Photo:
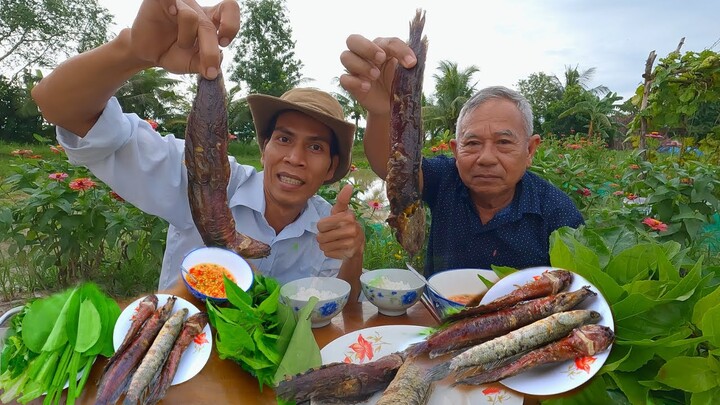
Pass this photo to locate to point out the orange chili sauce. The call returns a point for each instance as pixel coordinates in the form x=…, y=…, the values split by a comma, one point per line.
x=462, y=298
x=209, y=278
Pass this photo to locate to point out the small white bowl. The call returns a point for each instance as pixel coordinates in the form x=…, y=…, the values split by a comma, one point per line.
x=234, y=263
x=336, y=291
x=391, y=301
x=457, y=282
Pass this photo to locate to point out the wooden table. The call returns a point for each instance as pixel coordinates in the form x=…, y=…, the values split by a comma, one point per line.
x=224, y=382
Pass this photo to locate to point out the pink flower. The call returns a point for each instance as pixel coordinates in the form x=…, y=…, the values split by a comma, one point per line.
x=584, y=191
x=57, y=149
x=631, y=196
x=231, y=137
x=654, y=134
x=353, y=168
x=655, y=225
x=82, y=184
x=375, y=204
x=619, y=192
x=59, y=176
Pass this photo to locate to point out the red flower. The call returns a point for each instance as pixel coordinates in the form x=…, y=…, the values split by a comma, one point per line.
x=634, y=167
x=22, y=152
x=491, y=390
x=231, y=137
x=363, y=348
x=116, y=196
x=584, y=363
x=631, y=196
x=654, y=134
x=434, y=149
x=57, y=149
x=574, y=146
x=347, y=360
x=443, y=146
x=59, y=176
x=152, y=123
x=655, y=225
x=584, y=191
x=375, y=204
x=35, y=156
x=82, y=184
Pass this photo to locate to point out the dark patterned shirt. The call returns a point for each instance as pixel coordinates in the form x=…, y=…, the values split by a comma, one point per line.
x=517, y=236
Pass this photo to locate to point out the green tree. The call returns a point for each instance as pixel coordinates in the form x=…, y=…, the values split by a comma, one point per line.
x=151, y=94
x=37, y=33
x=351, y=108
x=453, y=87
x=541, y=90
x=597, y=111
x=264, y=60
x=20, y=118
x=684, y=96
x=574, y=77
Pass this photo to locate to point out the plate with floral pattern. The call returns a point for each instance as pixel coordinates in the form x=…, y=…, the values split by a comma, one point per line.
x=555, y=378
x=370, y=344
x=196, y=354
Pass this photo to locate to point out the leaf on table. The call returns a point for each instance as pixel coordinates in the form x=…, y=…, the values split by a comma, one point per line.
x=303, y=352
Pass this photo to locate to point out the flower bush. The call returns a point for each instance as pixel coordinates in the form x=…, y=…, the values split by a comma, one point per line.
x=64, y=225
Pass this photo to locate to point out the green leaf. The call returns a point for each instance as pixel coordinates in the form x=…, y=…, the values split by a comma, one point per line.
x=594, y=392
x=711, y=325
x=235, y=294
x=303, y=352
x=286, y=323
x=270, y=304
x=89, y=327
x=502, y=271
x=704, y=304
x=628, y=384
x=632, y=264
x=42, y=327
x=709, y=397
x=691, y=374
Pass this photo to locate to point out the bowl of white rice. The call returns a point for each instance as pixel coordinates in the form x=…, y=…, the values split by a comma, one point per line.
x=332, y=294
x=392, y=291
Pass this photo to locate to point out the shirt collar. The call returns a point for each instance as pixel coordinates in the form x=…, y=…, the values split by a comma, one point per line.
x=525, y=201
x=251, y=194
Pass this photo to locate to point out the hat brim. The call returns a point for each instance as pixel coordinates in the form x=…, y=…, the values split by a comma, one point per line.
x=265, y=108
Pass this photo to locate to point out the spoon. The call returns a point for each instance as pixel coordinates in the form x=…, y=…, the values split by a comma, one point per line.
x=421, y=277
x=187, y=274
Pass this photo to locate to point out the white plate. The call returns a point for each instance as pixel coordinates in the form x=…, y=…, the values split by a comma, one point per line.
x=372, y=343
x=557, y=377
x=196, y=354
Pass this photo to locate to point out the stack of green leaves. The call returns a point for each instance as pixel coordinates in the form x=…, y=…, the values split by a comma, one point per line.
x=54, y=341
x=262, y=334
x=666, y=310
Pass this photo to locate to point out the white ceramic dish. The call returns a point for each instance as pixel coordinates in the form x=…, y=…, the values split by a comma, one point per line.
x=195, y=356
x=234, y=263
x=372, y=343
x=560, y=377
x=325, y=309
x=391, y=301
x=453, y=282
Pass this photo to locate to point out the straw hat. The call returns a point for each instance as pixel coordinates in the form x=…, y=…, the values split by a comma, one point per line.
x=313, y=102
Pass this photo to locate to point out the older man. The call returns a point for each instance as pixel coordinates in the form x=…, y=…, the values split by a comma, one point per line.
x=304, y=139
x=487, y=209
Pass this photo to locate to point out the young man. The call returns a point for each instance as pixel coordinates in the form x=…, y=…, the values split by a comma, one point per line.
x=304, y=140
x=487, y=209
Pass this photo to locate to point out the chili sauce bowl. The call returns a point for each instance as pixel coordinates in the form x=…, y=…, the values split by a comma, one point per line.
x=231, y=261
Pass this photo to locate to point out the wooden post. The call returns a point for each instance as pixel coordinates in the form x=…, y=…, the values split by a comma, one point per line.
x=648, y=76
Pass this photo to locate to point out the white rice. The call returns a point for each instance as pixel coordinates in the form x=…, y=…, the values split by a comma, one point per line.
x=304, y=294
x=386, y=283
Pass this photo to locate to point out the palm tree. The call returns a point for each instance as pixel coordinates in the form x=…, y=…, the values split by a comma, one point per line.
x=574, y=77
x=597, y=111
x=151, y=95
x=452, y=89
x=351, y=108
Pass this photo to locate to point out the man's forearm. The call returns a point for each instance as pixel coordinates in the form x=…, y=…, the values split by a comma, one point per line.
x=350, y=271
x=376, y=142
x=74, y=94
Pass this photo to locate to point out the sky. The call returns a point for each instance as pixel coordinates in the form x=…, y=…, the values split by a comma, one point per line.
x=505, y=40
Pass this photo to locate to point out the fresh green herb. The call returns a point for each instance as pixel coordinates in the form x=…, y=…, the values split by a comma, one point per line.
x=261, y=333
x=666, y=312
x=55, y=340
x=485, y=281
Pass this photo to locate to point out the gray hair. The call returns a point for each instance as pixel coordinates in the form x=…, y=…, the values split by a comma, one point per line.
x=496, y=92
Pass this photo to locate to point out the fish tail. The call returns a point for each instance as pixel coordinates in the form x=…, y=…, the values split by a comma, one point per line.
x=439, y=372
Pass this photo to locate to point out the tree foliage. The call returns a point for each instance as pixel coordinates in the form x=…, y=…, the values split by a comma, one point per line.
x=453, y=87
x=264, y=60
x=684, y=98
x=151, y=95
x=540, y=90
x=20, y=118
x=37, y=33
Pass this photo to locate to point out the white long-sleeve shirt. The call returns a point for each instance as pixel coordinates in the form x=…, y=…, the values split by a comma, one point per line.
x=148, y=171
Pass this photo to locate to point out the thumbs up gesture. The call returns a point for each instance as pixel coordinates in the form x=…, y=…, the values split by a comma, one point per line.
x=340, y=235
